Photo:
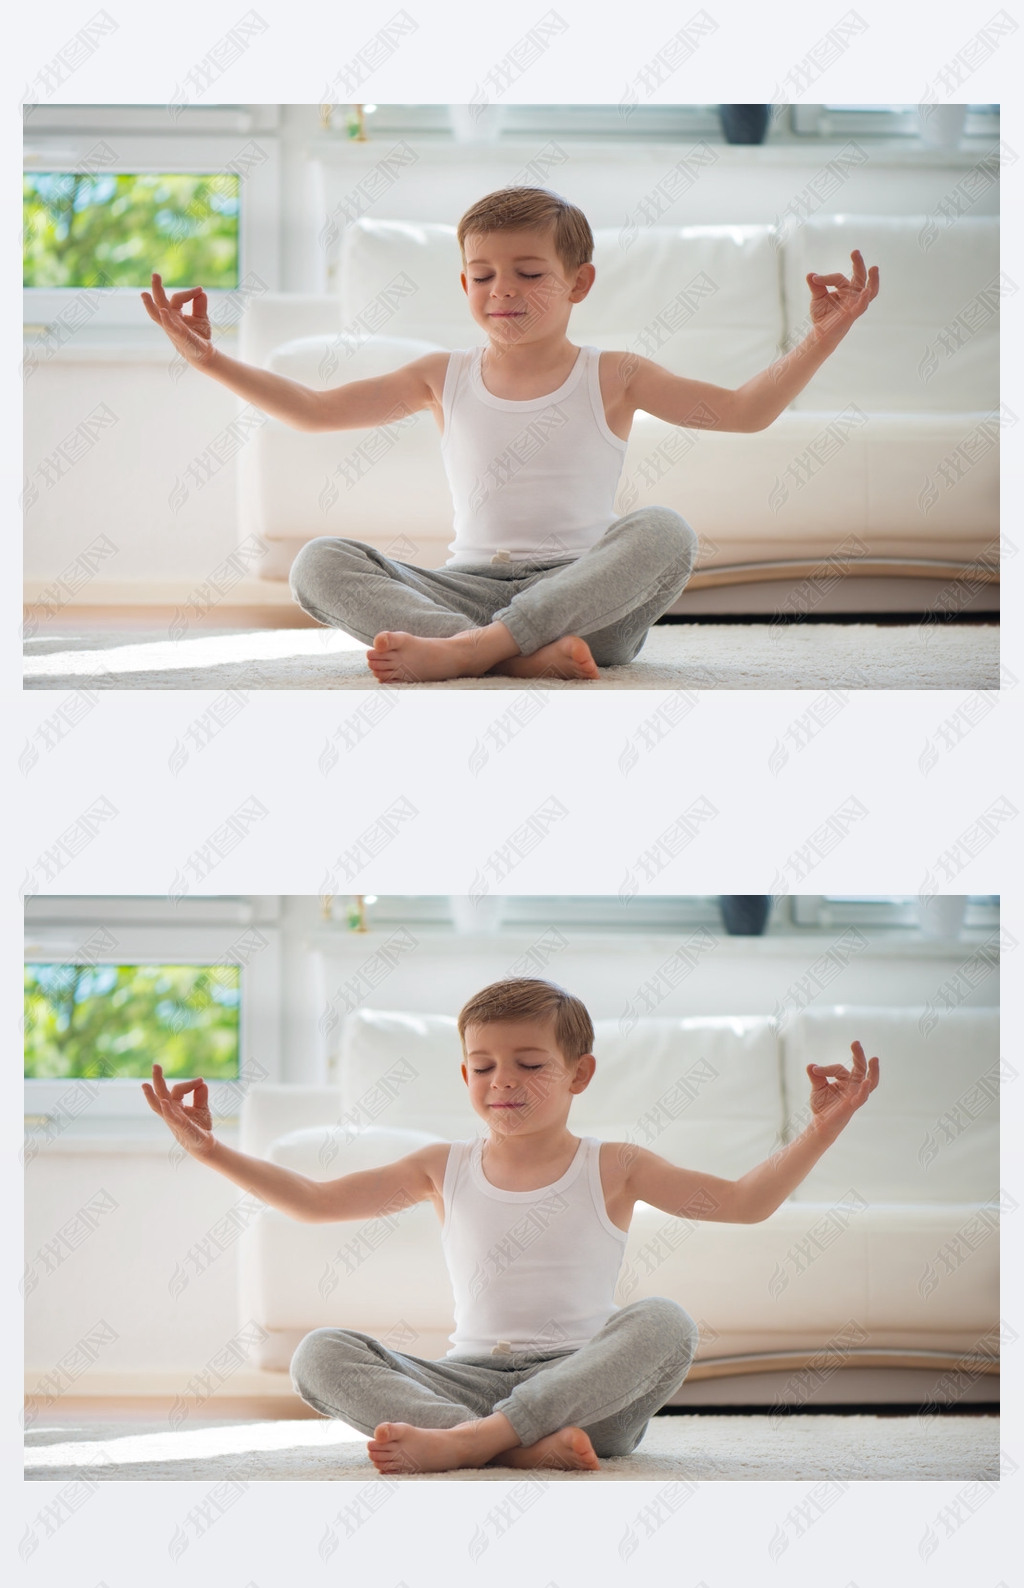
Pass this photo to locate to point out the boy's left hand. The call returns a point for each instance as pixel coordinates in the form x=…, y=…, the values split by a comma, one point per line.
x=834, y=311
x=835, y=1100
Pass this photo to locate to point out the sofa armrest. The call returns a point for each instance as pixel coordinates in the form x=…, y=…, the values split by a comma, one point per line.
x=278, y=317
x=271, y=1111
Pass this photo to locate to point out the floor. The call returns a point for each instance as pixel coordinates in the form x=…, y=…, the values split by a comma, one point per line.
x=94, y=649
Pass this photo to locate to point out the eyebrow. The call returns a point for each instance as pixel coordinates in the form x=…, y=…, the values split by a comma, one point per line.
x=518, y=260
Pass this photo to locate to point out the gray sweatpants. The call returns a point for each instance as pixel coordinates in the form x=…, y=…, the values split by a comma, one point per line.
x=609, y=596
x=609, y=1387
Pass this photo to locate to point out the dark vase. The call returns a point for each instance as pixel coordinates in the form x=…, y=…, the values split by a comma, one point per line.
x=745, y=914
x=744, y=123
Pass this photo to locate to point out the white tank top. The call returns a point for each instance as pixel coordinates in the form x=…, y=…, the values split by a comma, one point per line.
x=531, y=1270
x=533, y=478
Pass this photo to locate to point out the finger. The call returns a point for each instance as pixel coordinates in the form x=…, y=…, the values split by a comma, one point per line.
x=838, y=1070
x=860, y=1063
x=180, y=298
x=819, y=1080
x=159, y=1084
x=159, y=295
x=831, y=281
x=151, y=1098
x=182, y=1089
x=860, y=275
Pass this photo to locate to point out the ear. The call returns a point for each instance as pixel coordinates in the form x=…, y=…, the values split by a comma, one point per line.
x=465, y=288
x=586, y=1064
x=465, y=1074
x=584, y=281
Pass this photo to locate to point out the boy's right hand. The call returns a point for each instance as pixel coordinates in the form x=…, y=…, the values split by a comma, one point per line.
x=190, y=333
x=191, y=1123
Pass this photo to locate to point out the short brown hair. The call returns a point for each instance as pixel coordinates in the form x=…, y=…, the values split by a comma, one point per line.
x=524, y=998
x=519, y=208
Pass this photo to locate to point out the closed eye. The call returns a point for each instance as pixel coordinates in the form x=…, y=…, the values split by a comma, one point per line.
x=486, y=1070
x=523, y=273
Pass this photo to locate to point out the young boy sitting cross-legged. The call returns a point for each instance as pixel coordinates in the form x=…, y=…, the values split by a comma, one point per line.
x=544, y=1370
x=543, y=579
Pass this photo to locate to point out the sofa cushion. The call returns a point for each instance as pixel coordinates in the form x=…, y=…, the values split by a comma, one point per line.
x=929, y=342
x=702, y=1091
x=702, y=301
x=929, y=1133
x=412, y=268
x=813, y=1268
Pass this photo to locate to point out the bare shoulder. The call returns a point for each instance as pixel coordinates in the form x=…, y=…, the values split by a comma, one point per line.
x=616, y=370
x=616, y=1160
x=431, y=369
x=433, y=1160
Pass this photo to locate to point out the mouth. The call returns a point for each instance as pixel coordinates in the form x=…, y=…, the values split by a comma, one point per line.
x=507, y=314
x=508, y=1105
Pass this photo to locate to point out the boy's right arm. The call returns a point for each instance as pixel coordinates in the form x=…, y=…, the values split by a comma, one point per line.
x=359, y=405
x=367, y=1194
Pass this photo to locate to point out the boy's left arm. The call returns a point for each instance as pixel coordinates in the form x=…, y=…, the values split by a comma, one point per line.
x=835, y=303
x=695, y=405
x=836, y=1094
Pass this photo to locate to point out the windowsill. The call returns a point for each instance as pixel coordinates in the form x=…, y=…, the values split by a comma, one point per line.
x=891, y=942
x=796, y=152
x=113, y=344
x=104, y=1134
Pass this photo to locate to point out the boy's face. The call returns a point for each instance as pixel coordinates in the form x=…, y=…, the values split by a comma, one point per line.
x=517, y=1077
x=518, y=288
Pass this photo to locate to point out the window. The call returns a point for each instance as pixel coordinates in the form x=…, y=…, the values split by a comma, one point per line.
x=96, y=229
x=92, y=1021
x=108, y=200
x=200, y=994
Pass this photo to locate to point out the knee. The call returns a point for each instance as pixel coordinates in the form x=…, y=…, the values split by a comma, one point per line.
x=673, y=541
x=305, y=576
x=671, y=1330
x=310, y=1362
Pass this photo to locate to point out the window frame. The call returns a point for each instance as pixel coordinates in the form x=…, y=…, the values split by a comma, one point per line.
x=889, y=121
x=91, y=149
x=823, y=911
x=49, y=1103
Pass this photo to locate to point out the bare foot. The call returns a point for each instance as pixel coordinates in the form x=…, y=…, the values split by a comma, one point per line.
x=399, y=658
x=399, y=1447
x=569, y=1450
x=568, y=657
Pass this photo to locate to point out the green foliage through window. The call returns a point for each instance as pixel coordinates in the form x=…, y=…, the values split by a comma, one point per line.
x=118, y=1020
x=83, y=230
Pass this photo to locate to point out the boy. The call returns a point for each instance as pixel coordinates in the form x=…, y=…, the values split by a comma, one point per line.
x=504, y=1393
x=542, y=580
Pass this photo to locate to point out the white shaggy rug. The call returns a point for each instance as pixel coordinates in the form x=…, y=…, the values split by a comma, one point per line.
x=694, y=1448
x=676, y=656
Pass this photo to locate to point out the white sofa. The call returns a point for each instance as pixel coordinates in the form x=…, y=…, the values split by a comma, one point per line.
x=877, y=1280
x=876, y=489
